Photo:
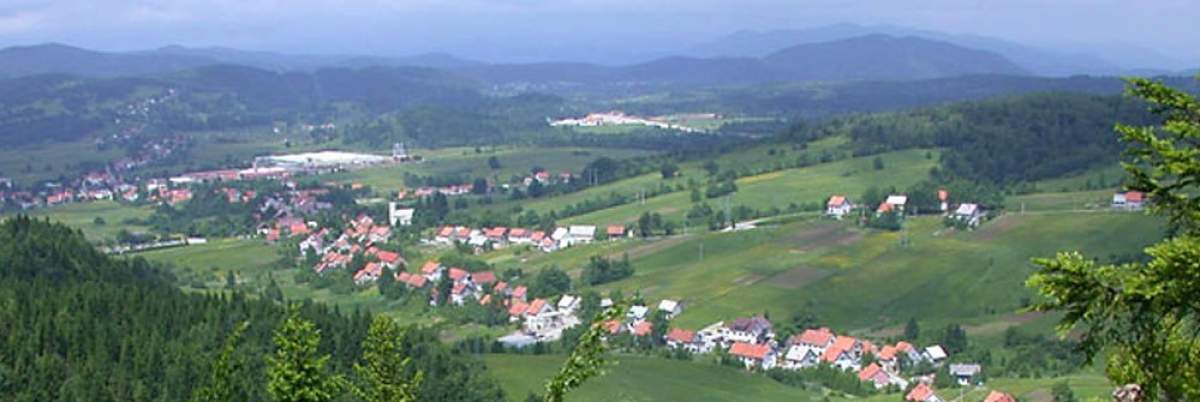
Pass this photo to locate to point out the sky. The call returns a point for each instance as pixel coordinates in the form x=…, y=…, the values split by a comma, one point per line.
x=593, y=30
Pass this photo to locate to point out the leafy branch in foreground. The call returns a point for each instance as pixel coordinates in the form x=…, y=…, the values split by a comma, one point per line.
x=296, y=372
x=1146, y=314
x=587, y=360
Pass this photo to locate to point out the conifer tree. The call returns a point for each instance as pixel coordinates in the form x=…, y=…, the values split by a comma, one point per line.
x=297, y=372
x=384, y=370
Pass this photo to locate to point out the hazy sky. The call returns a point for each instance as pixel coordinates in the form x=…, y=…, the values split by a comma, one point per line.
x=524, y=30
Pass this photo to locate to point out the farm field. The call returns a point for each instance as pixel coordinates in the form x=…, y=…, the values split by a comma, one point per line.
x=782, y=188
x=642, y=378
x=56, y=156
x=514, y=161
x=83, y=215
x=854, y=278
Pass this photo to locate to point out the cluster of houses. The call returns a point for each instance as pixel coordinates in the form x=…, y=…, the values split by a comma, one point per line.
x=361, y=237
x=500, y=237
x=752, y=342
x=971, y=214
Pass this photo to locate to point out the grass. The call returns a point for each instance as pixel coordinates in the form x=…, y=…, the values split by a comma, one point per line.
x=514, y=161
x=782, y=188
x=853, y=278
x=641, y=378
x=1074, y=200
x=83, y=216
x=56, y=156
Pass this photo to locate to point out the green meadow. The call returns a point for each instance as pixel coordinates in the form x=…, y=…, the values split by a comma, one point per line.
x=83, y=217
x=782, y=188
x=642, y=378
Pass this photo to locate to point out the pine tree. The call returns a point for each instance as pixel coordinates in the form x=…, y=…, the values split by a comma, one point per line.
x=912, y=330
x=297, y=372
x=220, y=387
x=384, y=371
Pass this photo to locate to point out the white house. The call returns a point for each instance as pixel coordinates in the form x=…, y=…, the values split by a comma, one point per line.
x=935, y=354
x=400, y=216
x=968, y=213
x=838, y=206
x=568, y=303
x=798, y=356
x=637, y=313
x=965, y=373
x=671, y=307
x=580, y=234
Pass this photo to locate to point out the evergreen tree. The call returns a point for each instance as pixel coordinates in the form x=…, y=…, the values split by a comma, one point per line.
x=297, y=371
x=912, y=331
x=384, y=372
x=220, y=387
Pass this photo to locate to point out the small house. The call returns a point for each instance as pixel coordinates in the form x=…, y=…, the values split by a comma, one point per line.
x=753, y=355
x=838, y=206
x=671, y=307
x=965, y=373
x=969, y=214
x=1129, y=200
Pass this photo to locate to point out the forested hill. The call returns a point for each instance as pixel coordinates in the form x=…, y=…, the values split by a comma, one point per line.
x=63, y=108
x=76, y=325
x=1001, y=141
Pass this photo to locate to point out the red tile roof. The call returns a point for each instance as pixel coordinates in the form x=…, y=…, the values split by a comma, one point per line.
x=446, y=232
x=613, y=326
x=536, y=306
x=430, y=267
x=836, y=201
x=997, y=396
x=537, y=235
x=615, y=230
x=642, y=328
x=920, y=393
x=844, y=342
x=943, y=195
x=484, y=277
x=887, y=353
x=750, y=350
x=814, y=337
x=389, y=257
x=496, y=232
x=517, y=308
x=485, y=300
x=868, y=372
x=681, y=335
x=1134, y=196
x=518, y=233
x=903, y=346
x=519, y=292
x=417, y=281
x=457, y=274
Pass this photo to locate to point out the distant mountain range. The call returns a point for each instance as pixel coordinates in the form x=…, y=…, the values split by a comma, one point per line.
x=56, y=58
x=1037, y=60
x=843, y=52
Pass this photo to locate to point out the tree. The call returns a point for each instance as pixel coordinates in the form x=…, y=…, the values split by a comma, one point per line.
x=711, y=167
x=1061, y=392
x=1144, y=312
x=549, y=282
x=912, y=331
x=479, y=186
x=384, y=371
x=877, y=163
x=954, y=339
x=230, y=280
x=669, y=170
x=220, y=387
x=297, y=372
x=99, y=221
x=493, y=163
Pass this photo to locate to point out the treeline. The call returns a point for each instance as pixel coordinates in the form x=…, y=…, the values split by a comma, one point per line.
x=1000, y=141
x=77, y=325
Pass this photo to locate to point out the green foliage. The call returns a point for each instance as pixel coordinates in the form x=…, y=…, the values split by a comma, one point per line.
x=297, y=371
x=384, y=371
x=587, y=359
x=823, y=375
x=549, y=282
x=912, y=330
x=600, y=270
x=221, y=385
x=1144, y=312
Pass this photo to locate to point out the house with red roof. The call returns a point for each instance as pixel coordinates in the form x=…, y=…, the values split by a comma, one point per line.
x=997, y=396
x=642, y=328
x=519, y=236
x=519, y=293
x=613, y=326
x=838, y=206
x=682, y=338
x=369, y=273
x=753, y=355
x=922, y=393
x=483, y=278
x=497, y=234
x=880, y=378
x=432, y=270
x=459, y=275
x=389, y=259
x=1129, y=200
x=614, y=231
x=445, y=235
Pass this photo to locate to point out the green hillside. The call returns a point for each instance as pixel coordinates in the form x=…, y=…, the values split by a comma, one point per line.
x=640, y=378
